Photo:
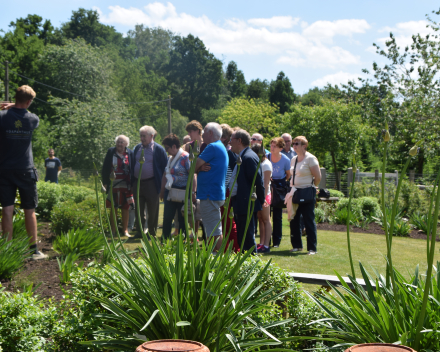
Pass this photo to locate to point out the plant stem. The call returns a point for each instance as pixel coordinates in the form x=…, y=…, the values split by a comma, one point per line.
x=114, y=215
x=99, y=211
x=384, y=214
x=138, y=210
x=429, y=271
x=348, y=223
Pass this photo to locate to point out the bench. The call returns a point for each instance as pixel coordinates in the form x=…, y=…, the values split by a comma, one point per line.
x=327, y=200
x=323, y=280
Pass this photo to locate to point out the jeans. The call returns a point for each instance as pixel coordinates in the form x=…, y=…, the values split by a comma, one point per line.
x=308, y=215
x=169, y=211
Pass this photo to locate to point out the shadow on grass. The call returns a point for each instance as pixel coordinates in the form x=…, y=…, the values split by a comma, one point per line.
x=286, y=253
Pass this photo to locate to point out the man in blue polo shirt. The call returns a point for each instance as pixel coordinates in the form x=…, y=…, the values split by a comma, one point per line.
x=53, y=167
x=211, y=167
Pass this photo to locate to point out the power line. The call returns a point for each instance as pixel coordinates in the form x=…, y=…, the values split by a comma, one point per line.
x=84, y=96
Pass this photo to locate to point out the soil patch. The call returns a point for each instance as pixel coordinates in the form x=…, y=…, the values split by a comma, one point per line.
x=373, y=228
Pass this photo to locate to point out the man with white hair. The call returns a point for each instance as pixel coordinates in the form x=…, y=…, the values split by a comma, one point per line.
x=288, y=150
x=257, y=138
x=151, y=178
x=211, y=166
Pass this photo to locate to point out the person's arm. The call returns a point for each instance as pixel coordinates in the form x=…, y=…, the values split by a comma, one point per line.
x=7, y=106
x=316, y=172
x=59, y=170
x=200, y=162
x=288, y=175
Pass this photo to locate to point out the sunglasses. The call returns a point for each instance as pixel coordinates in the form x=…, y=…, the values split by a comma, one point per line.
x=254, y=139
x=296, y=143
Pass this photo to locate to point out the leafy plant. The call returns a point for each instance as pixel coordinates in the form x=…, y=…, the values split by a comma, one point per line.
x=336, y=193
x=67, y=266
x=420, y=221
x=14, y=252
x=195, y=296
x=82, y=241
x=364, y=316
x=341, y=216
x=401, y=228
x=319, y=215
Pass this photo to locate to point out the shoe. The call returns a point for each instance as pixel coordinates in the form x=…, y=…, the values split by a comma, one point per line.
x=263, y=249
x=38, y=255
x=127, y=234
x=259, y=246
x=276, y=246
x=296, y=250
x=312, y=252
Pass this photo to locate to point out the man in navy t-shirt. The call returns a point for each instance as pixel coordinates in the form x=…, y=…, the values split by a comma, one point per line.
x=53, y=167
x=211, y=166
x=17, y=165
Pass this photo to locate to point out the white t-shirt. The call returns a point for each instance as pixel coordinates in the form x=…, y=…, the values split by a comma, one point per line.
x=303, y=176
x=266, y=165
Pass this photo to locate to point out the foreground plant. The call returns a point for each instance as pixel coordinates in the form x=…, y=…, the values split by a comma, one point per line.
x=84, y=242
x=194, y=296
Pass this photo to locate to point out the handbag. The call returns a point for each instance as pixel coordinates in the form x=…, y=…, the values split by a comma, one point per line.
x=303, y=195
x=176, y=195
x=324, y=193
x=279, y=190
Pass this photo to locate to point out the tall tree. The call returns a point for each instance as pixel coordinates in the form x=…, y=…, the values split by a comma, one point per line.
x=281, y=92
x=235, y=79
x=258, y=89
x=195, y=77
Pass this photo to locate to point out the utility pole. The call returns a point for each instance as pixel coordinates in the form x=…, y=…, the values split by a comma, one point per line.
x=6, y=81
x=169, y=114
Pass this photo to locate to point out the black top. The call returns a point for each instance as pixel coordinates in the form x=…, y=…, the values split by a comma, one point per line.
x=16, y=127
x=108, y=161
x=52, y=166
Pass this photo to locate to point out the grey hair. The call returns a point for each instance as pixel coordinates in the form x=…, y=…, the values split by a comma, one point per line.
x=216, y=130
x=244, y=136
x=125, y=138
x=149, y=130
x=286, y=135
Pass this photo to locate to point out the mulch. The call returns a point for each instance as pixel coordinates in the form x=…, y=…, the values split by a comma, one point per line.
x=47, y=272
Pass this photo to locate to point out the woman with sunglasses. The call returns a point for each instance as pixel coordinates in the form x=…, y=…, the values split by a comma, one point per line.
x=280, y=175
x=307, y=174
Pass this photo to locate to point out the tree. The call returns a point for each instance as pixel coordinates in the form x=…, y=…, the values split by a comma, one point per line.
x=235, y=80
x=195, y=77
x=254, y=116
x=258, y=89
x=333, y=127
x=178, y=124
x=281, y=92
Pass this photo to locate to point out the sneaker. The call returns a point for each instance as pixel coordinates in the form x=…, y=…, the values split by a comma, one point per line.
x=263, y=249
x=276, y=246
x=296, y=249
x=38, y=255
x=259, y=246
x=312, y=252
x=127, y=234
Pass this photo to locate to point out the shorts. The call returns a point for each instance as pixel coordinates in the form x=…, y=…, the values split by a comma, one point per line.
x=26, y=183
x=269, y=198
x=211, y=216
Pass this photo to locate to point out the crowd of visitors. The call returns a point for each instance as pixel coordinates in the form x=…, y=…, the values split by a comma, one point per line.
x=230, y=165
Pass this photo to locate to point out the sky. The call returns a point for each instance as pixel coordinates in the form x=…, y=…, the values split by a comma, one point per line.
x=312, y=42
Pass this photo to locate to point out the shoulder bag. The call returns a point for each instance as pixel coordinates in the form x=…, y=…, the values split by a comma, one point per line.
x=303, y=195
x=279, y=190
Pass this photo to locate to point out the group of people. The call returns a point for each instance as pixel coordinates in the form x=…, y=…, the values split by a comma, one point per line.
x=228, y=164
x=228, y=159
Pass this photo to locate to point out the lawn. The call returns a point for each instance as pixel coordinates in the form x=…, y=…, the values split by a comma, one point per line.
x=333, y=254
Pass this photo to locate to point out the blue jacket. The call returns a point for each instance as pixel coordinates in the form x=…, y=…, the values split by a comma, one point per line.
x=159, y=163
x=244, y=182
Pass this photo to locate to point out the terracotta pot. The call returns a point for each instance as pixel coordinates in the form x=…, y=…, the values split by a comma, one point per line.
x=172, y=345
x=379, y=347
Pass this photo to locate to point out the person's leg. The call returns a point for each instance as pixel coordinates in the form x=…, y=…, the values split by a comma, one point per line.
x=152, y=199
x=308, y=214
x=176, y=223
x=7, y=216
x=249, y=236
x=211, y=215
x=141, y=203
x=131, y=217
x=168, y=214
x=295, y=237
x=30, y=221
x=261, y=226
x=124, y=216
x=267, y=225
x=277, y=226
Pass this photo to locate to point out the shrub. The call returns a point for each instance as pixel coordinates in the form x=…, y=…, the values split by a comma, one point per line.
x=69, y=215
x=356, y=208
x=319, y=215
x=13, y=253
x=370, y=206
x=25, y=325
x=420, y=221
x=83, y=241
x=327, y=208
x=336, y=193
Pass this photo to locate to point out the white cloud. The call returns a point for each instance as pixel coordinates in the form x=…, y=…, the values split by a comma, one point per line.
x=404, y=31
x=273, y=36
x=284, y=22
x=335, y=78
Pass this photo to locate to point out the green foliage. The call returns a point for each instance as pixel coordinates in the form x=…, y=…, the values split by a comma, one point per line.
x=362, y=210
x=258, y=90
x=281, y=93
x=356, y=208
x=67, y=266
x=82, y=241
x=401, y=226
x=336, y=193
x=420, y=221
x=178, y=124
x=320, y=215
x=236, y=81
x=51, y=194
x=365, y=316
x=25, y=324
x=369, y=206
x=69, y=215
x=325, y=211
x=14, y=252
x=259, y=116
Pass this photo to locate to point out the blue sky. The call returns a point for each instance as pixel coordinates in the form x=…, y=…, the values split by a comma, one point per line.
x=313, y=42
